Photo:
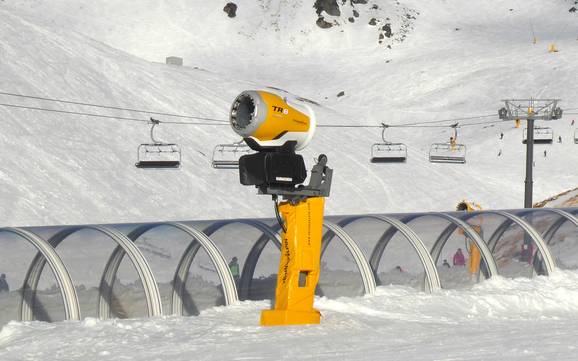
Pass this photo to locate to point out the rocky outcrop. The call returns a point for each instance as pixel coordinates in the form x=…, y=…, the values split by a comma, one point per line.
x=329, y=6
x=230, y=9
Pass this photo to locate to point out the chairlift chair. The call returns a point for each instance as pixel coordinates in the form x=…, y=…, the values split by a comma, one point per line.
x=542, y=135
x=157, y=154
x=226, y=156
x=388, y=152
x=450, y=152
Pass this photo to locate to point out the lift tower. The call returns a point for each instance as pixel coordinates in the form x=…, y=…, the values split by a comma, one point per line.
x=530, y=110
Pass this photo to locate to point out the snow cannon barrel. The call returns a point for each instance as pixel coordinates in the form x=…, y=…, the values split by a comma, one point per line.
x=270, y=120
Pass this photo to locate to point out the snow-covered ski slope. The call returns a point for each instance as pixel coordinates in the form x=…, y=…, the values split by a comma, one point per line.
x=497, y=320
x=457, y=59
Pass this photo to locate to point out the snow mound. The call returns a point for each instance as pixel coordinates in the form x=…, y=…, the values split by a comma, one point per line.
x=537, y=317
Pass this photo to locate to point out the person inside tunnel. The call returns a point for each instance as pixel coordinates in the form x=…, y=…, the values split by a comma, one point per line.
x=4, y=284
x=459, y=258
x=234, y=267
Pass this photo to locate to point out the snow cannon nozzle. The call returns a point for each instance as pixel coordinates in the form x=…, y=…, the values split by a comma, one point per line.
x=270, y=120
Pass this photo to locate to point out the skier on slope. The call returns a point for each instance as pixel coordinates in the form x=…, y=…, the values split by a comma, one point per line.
x=459, y=258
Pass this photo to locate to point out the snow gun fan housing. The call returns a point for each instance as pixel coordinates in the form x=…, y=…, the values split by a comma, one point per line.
x=275, y=129
x=270, y=121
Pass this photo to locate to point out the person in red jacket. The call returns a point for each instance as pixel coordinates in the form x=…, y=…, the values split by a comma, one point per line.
x=459, y=258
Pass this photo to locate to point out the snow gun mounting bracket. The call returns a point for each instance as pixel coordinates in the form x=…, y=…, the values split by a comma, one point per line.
x=319, y=184
x=283, y=171
x=279, y=171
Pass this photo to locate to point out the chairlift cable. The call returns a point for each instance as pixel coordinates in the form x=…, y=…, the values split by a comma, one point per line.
x=367, y=126
x=111, y=107
x=104, y=116
x=74, y=113
x=452, y=119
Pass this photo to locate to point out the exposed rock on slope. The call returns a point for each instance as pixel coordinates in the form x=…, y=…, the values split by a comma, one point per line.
x=562, y=200
x=331, y=14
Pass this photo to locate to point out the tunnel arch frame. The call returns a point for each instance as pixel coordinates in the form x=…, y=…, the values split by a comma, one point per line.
x=432, y=281
x=59, y=270
x=438, y=245
x=549, y=262
x=146, y=276
x=554, y=227
x=199, y=240
x=273, y=233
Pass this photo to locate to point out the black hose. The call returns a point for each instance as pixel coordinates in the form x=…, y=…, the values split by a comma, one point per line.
x=278, y=216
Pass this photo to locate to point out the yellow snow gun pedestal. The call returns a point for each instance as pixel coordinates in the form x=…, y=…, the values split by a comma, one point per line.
x=299, y=265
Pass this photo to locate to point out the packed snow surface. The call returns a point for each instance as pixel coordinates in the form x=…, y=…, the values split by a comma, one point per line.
x=501, y=319
x=443, y=60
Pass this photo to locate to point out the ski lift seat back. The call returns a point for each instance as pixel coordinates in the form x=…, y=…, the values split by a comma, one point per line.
x=157, y=154
x=450, y=152
x=388, y=152
x=447, y=153
x=226, y=156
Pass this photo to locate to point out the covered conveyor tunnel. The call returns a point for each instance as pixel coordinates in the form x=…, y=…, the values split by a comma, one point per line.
x=182, y=268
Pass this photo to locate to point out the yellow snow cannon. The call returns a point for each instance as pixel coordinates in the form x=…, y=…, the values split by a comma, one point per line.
x=276, y=128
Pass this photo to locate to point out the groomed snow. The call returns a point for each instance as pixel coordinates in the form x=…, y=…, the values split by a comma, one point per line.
x=500, y=319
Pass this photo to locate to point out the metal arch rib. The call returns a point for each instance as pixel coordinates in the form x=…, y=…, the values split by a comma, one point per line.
x=360, y=260
x=251, y=264
x=564, y=217
x=115, y=259
x=58, y=268
x=272, y=233
x=152, y=295
x=549, y=262
x=443, y=239
x=432, y=280
x=182, y=271
x=367, y=276
x=487, y=256
x=252, y=258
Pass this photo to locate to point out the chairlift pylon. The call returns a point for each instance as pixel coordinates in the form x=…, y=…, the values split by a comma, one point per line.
x=226, y=156
x=449, y=152
x=388, y=152
x=158, y=154
x=542, y=135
